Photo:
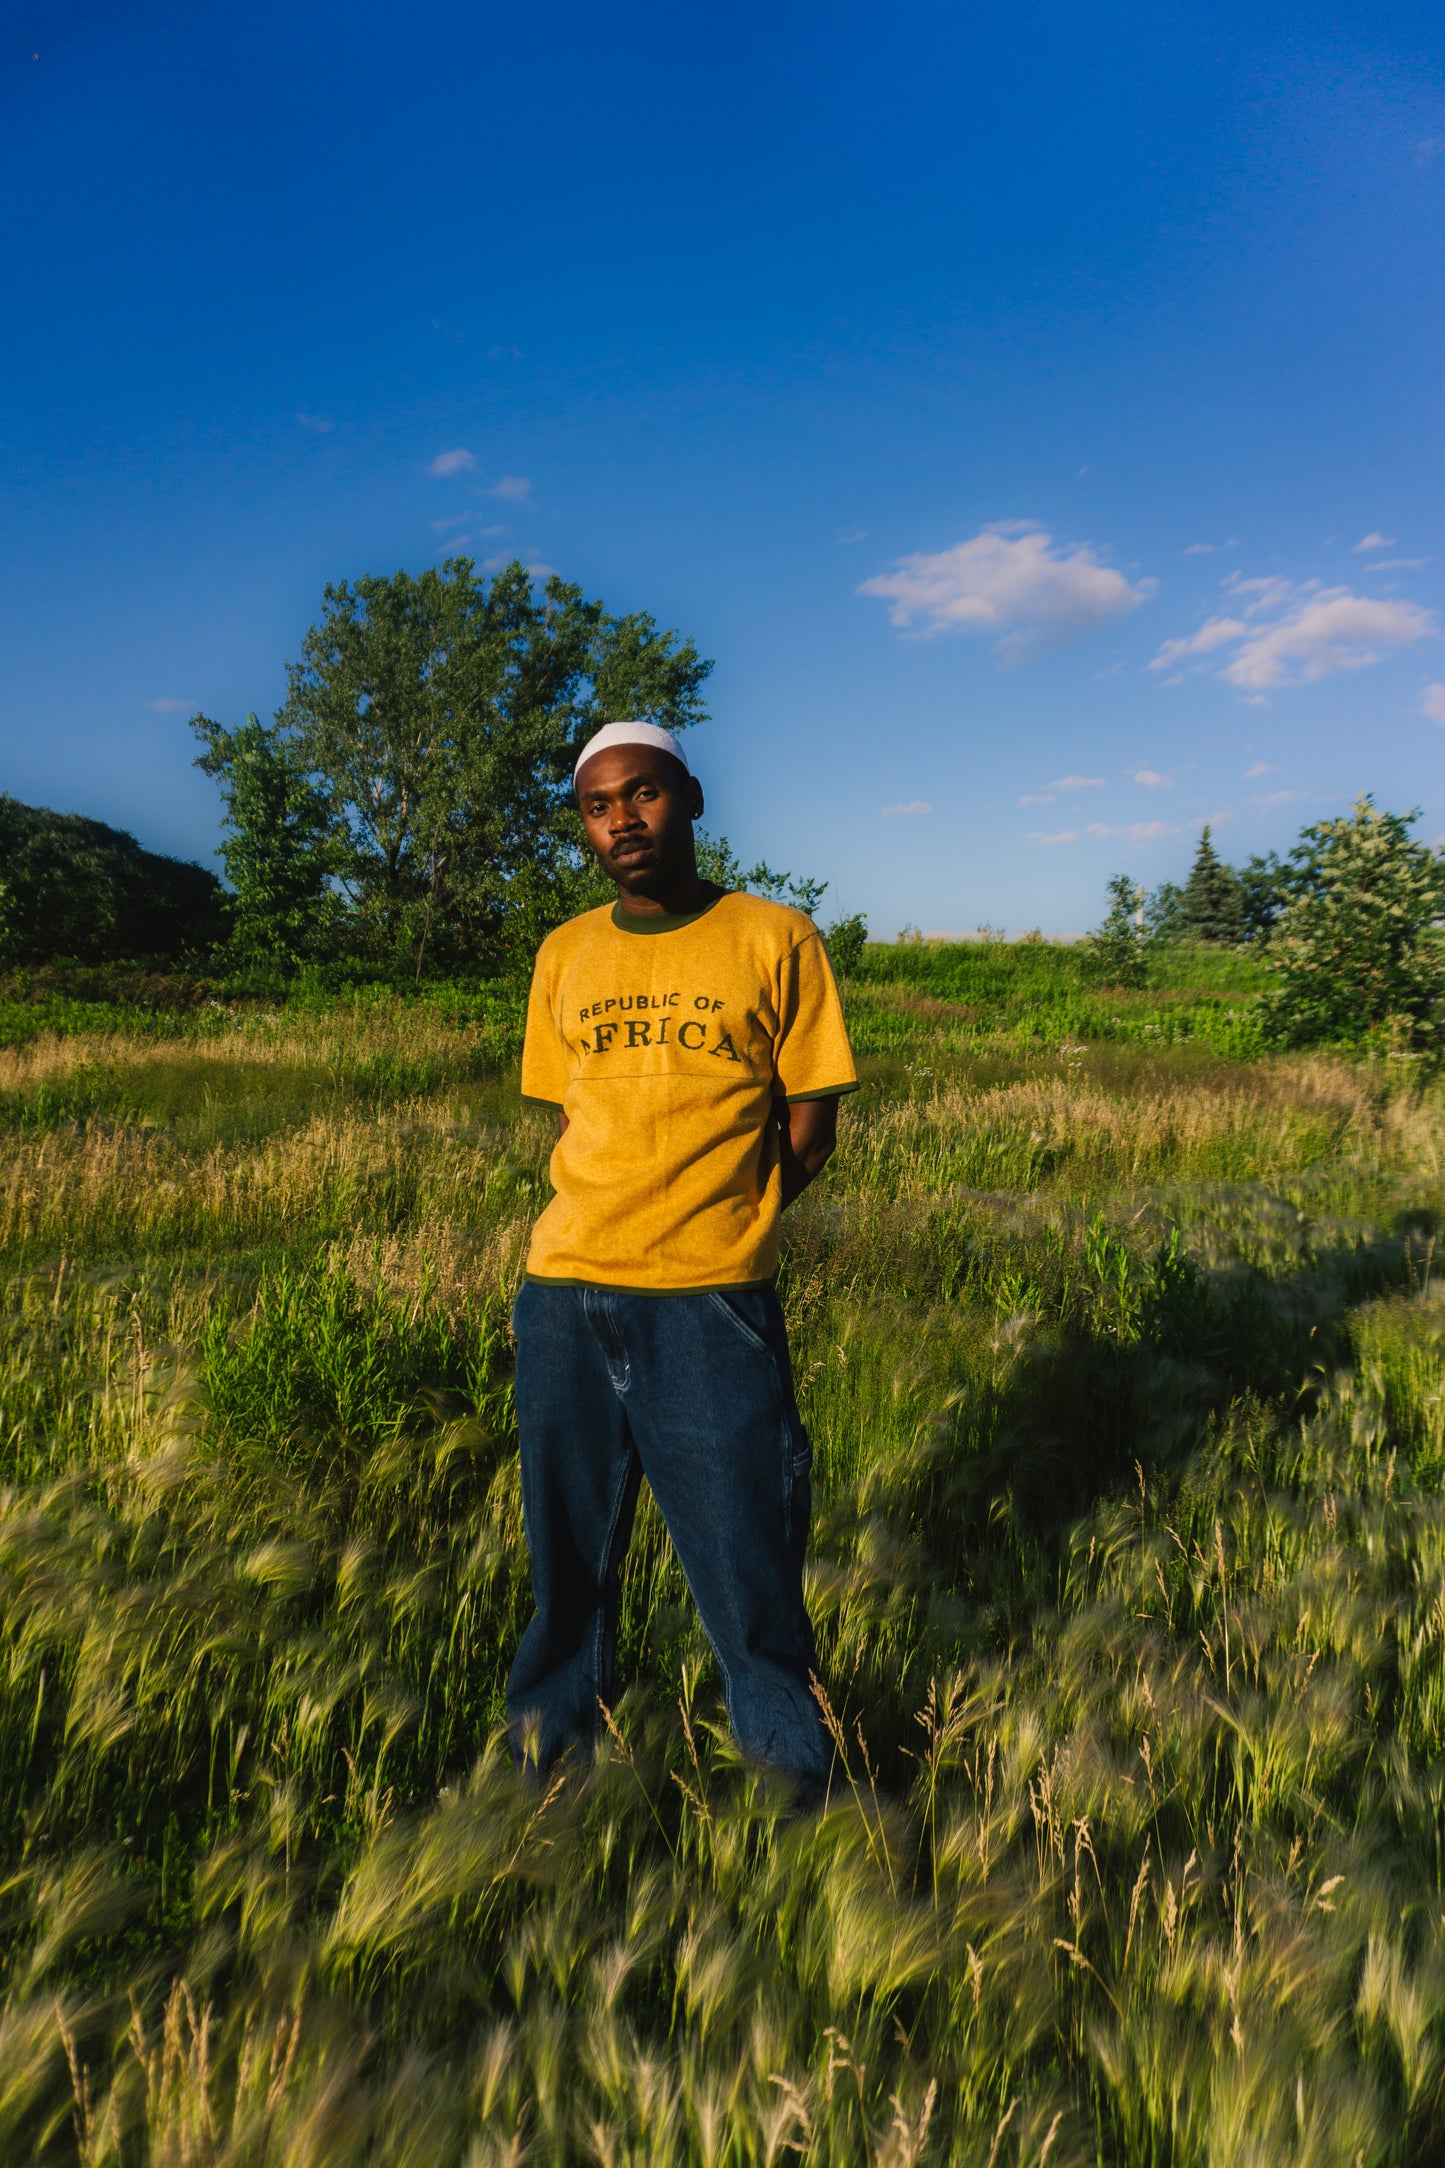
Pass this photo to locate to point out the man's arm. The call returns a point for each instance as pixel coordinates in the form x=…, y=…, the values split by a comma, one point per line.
x=807, y=1135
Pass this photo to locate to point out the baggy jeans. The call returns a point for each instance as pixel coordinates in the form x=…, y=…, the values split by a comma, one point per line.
x=694, y=1391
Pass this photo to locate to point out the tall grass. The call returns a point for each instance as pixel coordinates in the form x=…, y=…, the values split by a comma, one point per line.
x=1125, y=1368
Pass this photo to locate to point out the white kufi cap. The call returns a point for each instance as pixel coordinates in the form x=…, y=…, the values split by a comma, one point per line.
x=612, y=734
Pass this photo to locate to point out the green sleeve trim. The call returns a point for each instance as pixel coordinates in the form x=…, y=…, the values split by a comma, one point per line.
x=825, y=1091
x=530, y=1099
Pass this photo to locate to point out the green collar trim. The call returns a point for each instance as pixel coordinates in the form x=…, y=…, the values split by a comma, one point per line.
x=665, y=921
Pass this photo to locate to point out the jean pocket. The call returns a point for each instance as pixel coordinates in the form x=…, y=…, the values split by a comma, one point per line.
x=741, y=1326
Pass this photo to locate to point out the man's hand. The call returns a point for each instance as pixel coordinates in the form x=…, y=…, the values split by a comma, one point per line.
x=807, y=1135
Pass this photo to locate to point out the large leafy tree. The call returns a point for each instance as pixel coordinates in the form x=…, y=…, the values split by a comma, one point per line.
x=439, y=717
x=1358, y=945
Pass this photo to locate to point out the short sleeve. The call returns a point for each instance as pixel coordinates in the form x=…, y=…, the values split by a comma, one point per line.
x=546, y=1072
x=811, y=1055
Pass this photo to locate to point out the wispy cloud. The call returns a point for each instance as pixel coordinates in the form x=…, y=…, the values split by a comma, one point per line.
x=1046, y=842
x=1276, y=797
x=1151, y=779
x=849, y=536
x=457, y=461
x=1398, y=564
x=173, y=707
x=1038, y=797
x=1288, y=635
x=1078, y=782
x=318, y=424
x=1009, y=582
x=906, y=811
x=1261, y=767
x=1214, y=632
x=1136, y=831
x=514, y=487
x=1374, y=542
x=1432, y=703
x=1207, y=549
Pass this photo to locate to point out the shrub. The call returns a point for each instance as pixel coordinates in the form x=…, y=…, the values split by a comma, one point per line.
x=847, y=938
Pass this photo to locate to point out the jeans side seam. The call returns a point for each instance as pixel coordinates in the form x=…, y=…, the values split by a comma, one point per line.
x=606, y=1581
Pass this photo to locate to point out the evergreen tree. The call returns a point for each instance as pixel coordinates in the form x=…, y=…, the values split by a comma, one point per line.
x=1212, y=907
x=278, y=851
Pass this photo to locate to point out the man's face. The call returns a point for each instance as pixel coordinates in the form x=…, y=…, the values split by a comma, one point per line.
x=638, y=805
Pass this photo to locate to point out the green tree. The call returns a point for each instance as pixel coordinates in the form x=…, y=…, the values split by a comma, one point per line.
x=1164, y=913
x=1211, y=906
x=1114, y=952
x=440, y=716
x=1358, y=946
x=278, y=849
x=76, y=890
x=717, y=861
x=1264, y=890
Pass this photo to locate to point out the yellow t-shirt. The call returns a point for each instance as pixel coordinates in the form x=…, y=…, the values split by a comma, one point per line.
x=665, y=1042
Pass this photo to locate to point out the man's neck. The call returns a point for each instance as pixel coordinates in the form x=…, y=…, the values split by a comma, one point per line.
x=689, y=892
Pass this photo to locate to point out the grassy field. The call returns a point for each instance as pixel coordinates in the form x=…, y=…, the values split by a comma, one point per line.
x=1119, y=1345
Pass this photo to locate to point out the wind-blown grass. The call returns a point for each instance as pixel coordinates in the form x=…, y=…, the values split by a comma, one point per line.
x=1125, y=1370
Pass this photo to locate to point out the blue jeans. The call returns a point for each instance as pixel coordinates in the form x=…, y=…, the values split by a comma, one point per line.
x=695, y=1392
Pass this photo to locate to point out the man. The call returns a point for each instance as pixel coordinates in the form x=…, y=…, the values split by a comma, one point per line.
x=693, y=1045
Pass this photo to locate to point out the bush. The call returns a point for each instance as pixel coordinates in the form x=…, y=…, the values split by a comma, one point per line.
x=847, y=938
x=1358, y=948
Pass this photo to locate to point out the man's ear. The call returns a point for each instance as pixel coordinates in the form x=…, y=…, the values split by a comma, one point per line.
x=694, y=798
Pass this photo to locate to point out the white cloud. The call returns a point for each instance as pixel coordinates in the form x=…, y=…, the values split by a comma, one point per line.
x=319, y=424
x=1078, y=782
x=1276, y=797
x=1064, y=835
x=1151, y=779
x=1323, y=633
x=1374, y=542
x=514, y=487
x=1038, y=797
x=457, y=461
x=173, y=707
x=1261, y=767
x=1432, y=703
x=1215, y=632
x=1291, y=635
x=914, y=805
x=1399, y=564
x=440, y=526
x=850, y=535
x=1136, y=831
x=1011, y=582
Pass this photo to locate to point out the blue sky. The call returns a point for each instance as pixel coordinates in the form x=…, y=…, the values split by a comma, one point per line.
x=1036, y=413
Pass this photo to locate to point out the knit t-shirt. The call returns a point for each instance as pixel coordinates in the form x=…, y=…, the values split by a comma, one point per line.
x=666, y=1042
